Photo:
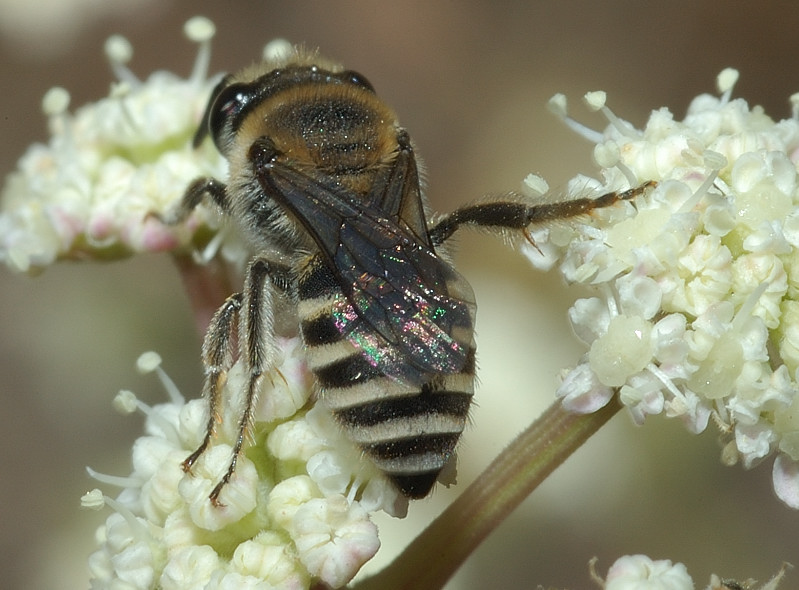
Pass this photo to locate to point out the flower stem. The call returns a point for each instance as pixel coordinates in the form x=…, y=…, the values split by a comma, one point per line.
x=438, y=552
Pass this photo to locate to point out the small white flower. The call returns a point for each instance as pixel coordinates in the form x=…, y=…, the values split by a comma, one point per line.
x=582, y=392
x=695, y=312
x=333, y=538
x=639, y=572
x=190, y=567
x=267, y=558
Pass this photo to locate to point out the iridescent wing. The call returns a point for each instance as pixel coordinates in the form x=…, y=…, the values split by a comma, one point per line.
x=406, y=308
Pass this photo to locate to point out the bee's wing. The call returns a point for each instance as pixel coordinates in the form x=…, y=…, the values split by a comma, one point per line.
x=396, y=192
x=397, y=285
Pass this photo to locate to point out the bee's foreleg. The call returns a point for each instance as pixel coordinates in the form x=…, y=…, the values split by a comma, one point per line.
x=193, y=196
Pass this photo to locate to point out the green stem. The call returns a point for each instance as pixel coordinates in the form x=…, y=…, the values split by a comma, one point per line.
x=438, y=552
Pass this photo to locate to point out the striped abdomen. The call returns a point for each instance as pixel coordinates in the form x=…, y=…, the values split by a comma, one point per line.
x=409, y=431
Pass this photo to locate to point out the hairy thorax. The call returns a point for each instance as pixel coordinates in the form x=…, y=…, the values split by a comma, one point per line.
x=338, y=131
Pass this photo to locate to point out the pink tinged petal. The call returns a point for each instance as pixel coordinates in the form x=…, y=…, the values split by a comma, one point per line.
x=68, y=223
x=670, y=345
x=641, y=400
x=786, y=480
x=589, y=318
x=695, y=415
x=582, y=392
x=753, y=441
x=154, y=236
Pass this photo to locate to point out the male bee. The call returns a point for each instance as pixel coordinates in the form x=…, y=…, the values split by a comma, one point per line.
x=324, y=185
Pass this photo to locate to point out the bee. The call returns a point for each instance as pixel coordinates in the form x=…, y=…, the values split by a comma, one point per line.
x=324, y=186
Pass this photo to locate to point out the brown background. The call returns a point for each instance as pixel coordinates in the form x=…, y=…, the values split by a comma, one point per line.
x=470, y=81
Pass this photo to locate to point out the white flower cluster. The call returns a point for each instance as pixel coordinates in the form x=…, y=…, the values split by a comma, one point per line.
x=295, y=512
x=91, y=191
x=696, y=313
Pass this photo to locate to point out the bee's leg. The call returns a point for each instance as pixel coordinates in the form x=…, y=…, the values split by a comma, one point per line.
x=519, y=215
x=194, y=195
x=217, y=360
x=256, y=345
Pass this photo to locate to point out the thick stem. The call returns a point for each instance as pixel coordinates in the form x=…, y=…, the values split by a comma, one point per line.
x=439, y=551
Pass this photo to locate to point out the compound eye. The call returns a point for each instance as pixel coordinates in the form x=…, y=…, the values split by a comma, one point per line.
x=357, y=79
x=227, y=107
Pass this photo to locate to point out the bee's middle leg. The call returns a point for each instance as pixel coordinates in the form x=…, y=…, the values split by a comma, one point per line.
x=257, y=346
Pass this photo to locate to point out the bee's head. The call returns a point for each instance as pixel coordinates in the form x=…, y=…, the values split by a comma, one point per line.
x=235, y=96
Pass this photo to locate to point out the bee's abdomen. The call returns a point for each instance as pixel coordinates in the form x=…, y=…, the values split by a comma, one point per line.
x=409, y=431
x=410, y=438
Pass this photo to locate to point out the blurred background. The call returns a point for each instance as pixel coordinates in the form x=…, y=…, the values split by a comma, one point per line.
x=470, y=81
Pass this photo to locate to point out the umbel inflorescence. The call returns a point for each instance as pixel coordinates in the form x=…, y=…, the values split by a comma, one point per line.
x=90, y=192
x=695, y=313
